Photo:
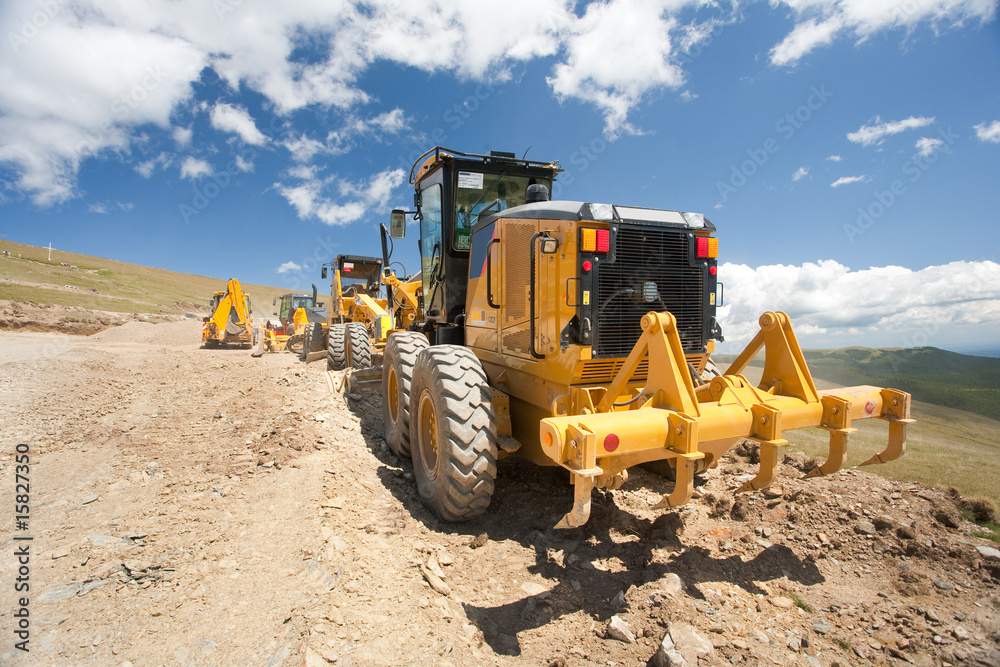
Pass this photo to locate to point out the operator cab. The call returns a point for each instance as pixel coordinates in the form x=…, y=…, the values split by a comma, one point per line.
x=454, y=191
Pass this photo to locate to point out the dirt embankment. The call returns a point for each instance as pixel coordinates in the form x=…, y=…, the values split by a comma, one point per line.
x=24, y=316
x=201, y=507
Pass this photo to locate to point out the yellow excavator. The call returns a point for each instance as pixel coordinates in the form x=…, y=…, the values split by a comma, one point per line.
x=230, y=321
x=579, y=334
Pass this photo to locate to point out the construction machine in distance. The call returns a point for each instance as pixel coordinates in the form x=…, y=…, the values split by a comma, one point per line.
x=230, y=320
x=360, y=319
x=579, y=334
x=296, y=314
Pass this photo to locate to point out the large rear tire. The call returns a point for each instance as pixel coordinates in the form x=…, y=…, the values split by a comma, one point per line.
x=401, y=350
x=453, y=433
x=359, y=346
x=336, y=353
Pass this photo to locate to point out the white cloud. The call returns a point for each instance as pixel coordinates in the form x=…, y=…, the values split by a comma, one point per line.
x=125, y=207
x=237, y=120
x=988, y=133
x=311, y=199
x=828, y=298
x=97, y=75
x=834, y=158
x=867, y=135
x=244, y=164
x=615, y=80
x=182, y=135
x=847, y=180
x=195, y=168
x=289, y=266
x=97, y=208
x=147, y=167
x=820, y=22
x=800, y=173
x=926, y=146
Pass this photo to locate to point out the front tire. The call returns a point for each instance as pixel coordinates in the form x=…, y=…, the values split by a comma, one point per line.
x=336, y=353
x=401, y=350
x=358, y=345
x=453, y=433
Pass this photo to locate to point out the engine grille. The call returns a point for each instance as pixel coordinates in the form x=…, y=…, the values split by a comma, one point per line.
x=645, y=256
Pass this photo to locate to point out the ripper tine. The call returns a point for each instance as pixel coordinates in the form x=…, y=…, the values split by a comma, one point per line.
x=576, y=517
x=897, y=443
x=838, y=453
x=683, y=483
x=768, y=466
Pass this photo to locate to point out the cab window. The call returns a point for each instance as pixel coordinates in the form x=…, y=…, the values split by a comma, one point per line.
x=484, y=194
x=430, y=235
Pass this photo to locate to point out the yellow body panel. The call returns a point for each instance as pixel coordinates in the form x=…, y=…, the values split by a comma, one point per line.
x=598, y=417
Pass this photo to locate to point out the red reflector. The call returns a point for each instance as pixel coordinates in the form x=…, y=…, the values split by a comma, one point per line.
x=713, y=270
x=702, y=247
x=611, y=442
x=603, y=240
x=586, y=266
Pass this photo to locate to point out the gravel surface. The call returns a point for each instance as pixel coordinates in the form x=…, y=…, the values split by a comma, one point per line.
x=201, y=507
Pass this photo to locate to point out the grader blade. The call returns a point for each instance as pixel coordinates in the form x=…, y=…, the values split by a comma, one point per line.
x=596, y=440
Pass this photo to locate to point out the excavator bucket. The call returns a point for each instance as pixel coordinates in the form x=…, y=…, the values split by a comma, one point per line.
x=693, y=427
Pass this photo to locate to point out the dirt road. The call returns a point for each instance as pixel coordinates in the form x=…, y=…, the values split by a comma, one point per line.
x=201, y=507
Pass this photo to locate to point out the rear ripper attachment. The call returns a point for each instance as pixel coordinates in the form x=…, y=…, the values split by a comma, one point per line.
x=615, y=428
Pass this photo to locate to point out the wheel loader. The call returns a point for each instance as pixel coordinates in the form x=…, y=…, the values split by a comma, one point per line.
x=230, y=320
x=579, y=334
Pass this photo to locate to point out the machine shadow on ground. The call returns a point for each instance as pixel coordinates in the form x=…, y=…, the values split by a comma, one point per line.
x=527, y=503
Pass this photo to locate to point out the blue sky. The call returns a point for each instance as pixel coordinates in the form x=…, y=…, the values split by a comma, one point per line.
x=847, y=151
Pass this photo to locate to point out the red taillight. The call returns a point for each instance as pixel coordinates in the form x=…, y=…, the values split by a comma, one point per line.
x=595, y=240
x=586, y=266
x=706, y=247
x=603, y=240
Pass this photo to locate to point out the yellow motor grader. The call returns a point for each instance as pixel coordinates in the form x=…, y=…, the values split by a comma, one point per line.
x=579, y=334
x=361, y=319
x=230, y=319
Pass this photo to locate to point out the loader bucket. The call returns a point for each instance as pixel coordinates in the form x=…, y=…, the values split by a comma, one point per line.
x=694, y=425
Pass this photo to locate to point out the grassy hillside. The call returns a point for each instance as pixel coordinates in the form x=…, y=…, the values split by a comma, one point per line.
x=946, y=447
x=931, y=375
x=121, y=287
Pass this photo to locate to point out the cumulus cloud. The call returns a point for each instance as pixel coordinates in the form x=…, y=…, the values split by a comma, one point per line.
x=314, y=199
x=819, y=23
x=988, y=132
x=866, y=135
x=194, y=168
x=615, y=80
x=800, y=173
x=147, y=167
x=834, y=158
x=847, y=180
x=827, y=297
x=97, y=208
x=289, y=266
x=99, y=74
x=235, y=119
x=927, y=146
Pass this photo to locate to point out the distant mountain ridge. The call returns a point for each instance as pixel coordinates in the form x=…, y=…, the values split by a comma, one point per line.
x=932, y=375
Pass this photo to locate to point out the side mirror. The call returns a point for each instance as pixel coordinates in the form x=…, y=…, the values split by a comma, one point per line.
x=397, y=224
x=322, y=273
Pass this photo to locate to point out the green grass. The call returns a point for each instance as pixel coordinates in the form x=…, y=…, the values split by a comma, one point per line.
x=121, y=287
x=945, y=447
x=931, y=375
x=801, y=604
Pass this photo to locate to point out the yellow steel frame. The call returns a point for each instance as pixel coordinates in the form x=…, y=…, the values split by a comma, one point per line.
x=611, y=430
